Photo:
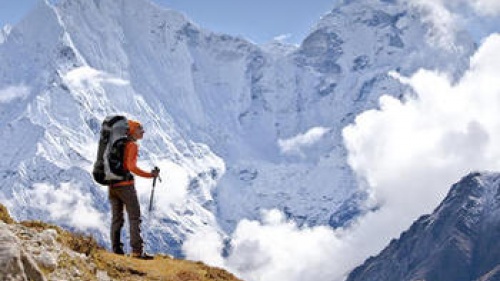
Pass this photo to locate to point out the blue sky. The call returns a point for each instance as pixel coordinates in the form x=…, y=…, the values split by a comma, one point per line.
x=12, y=11
x=256, y=20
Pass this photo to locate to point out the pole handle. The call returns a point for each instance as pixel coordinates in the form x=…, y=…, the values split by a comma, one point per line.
x=153, y=188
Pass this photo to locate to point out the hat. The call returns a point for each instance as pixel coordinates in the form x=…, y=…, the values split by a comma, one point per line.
x=133, y=126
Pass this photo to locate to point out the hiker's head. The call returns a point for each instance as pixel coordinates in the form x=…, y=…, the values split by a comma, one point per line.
x=135, y=129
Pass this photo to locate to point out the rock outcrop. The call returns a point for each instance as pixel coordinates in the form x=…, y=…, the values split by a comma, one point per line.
x=36, y=251
x=458, y=242
x=15, y=263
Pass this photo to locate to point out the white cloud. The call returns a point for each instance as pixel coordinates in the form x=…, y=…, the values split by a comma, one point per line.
x=444, y=23
x=296, y=144
x=205, y=245
x=79, y=77
x=282, y=37
x=14, y=92
x=479, y=17
x=68, y=205
x=486, y=7
x=481, y=7
x=171, y=191
x=280, y=250
x=410, y=153
x=275, y=249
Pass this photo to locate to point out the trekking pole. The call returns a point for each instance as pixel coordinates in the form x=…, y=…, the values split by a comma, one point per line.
x=153, y=189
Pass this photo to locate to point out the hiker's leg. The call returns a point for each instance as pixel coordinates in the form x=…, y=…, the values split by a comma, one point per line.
x=134, y=217
x=116, y=221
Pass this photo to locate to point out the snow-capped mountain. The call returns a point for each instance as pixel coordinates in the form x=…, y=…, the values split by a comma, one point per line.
x=236, y=128
x=54, y=99
x=458, y=241
x=339, y=70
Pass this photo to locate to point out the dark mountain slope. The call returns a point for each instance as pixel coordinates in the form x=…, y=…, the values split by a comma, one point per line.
x=458, y=242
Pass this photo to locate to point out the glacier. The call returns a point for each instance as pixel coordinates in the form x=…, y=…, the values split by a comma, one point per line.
x=217, y=110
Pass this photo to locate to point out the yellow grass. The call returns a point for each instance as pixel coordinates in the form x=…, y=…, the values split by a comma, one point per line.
x=4, y=215
x=161, y=268
x=123, y=268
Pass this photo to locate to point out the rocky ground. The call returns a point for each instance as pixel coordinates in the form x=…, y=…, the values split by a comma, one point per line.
x=37, y=251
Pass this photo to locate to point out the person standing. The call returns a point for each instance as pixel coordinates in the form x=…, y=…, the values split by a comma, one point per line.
x=123, y=194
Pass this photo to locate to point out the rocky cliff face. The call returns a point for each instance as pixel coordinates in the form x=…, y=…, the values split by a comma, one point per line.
x=458, y=241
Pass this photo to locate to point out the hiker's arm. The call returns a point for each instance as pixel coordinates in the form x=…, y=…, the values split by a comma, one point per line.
x=131, y=161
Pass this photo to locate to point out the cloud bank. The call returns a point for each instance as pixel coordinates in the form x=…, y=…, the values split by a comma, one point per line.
x=409, y=153
x=63, y=202
x=479, y=17
x=274, y=249
x=169, y=192
x=431, y=141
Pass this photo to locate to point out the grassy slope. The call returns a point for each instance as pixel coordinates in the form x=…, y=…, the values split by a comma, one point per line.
x=122, y=267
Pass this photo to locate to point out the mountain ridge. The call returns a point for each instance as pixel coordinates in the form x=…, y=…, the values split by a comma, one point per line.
x=455, y=242
x=215, y=107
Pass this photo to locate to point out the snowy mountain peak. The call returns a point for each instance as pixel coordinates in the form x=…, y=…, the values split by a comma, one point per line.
x=237, y=128
x=370, y=33
x=61, y=79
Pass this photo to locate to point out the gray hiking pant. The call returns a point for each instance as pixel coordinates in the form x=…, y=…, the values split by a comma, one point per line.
x=120, y=196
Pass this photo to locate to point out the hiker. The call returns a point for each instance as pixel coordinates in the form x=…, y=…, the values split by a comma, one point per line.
x=123, y=193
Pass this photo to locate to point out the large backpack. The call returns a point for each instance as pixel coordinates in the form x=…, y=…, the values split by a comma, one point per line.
x=108, y=167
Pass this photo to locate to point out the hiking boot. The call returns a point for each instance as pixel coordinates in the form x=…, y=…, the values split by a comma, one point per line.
x=119, y=252
x=118, y=249
x=142, y=256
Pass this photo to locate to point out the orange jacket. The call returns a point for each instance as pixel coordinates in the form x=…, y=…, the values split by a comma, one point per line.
x=130, y=163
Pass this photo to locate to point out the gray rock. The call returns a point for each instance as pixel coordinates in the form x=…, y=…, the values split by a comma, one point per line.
x=48, y=237
x=47, y=260
x=15, y=264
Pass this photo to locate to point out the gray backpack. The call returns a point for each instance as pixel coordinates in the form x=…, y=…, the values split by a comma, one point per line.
x=108, y=167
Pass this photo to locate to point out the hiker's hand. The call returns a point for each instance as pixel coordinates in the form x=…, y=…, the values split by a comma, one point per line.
x=155, y=172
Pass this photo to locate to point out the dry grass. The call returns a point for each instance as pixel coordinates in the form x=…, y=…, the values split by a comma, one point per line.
x=161, y=268
x=118, y=267
x=5, y=216
x=40, y=226
x=81, y=243
x=77, y=242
